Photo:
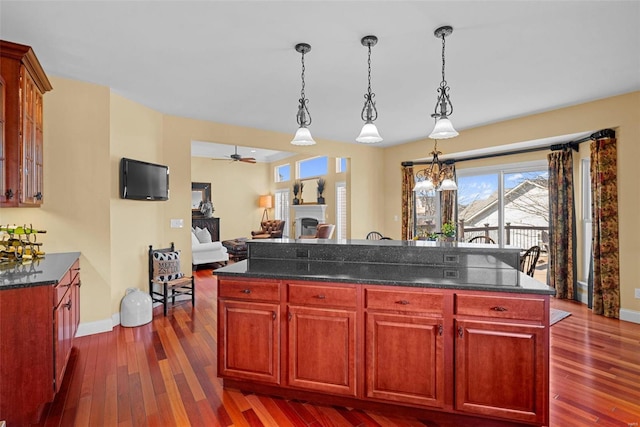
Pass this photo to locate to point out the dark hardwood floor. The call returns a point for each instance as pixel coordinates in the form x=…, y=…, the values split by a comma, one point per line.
x=164, y=374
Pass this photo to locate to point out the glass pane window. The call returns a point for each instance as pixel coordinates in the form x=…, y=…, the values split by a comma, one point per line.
x=341, y=164
x=427, y=211
x=310, y=168
x=478, y=198
x=282, y=173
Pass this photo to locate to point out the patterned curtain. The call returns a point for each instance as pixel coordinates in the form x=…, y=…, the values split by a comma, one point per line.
x=604, y=205
x=407, y=202
x=562, y=225
x=448, y=202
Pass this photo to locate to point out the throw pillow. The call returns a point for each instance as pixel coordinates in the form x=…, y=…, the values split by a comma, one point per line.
x=194, y=239
x=203, y=235
x=166, y=266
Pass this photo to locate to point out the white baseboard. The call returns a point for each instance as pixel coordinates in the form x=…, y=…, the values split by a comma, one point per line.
x=630, y=315
x=97, y=327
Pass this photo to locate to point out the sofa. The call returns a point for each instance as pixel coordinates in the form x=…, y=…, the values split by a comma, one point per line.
x=270, y=229
x=205, y=251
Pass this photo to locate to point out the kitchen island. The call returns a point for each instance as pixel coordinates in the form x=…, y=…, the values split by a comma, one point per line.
x=39, y=316
x=404, y=326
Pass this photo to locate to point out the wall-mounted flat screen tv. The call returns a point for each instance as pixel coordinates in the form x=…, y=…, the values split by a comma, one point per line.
x=143, y=181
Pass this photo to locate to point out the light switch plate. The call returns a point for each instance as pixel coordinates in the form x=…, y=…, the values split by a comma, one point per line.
x=177, y=223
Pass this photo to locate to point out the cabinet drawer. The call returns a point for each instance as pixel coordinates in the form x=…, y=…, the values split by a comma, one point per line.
x=381, y=299
x=326, y=296
x=500, y=307
x=249, y=289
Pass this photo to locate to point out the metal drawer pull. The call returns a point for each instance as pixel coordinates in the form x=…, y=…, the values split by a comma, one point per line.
x=246, y=291
x=460, y=332
x=403, y=302
x=273, y=315
x=321, y=296
x=440, y=329
x=67, y=305
x=498, y=308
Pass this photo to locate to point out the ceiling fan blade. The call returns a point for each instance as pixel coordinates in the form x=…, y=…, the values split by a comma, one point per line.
x=248, y=159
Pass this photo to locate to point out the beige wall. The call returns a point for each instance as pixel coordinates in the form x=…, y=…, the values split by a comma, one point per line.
x=621, y=113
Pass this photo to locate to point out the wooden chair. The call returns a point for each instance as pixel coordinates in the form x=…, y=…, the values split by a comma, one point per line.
x=529, y=260
x=482, y=239
x=164, y=272
x=374, y=235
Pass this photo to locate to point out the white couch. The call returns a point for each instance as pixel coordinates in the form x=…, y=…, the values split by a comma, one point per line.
x=204, y=251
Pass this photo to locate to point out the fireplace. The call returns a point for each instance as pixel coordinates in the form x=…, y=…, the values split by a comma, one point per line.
x=308, y=226
x=306, y=213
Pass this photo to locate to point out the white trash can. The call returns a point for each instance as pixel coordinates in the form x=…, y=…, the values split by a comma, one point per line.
x=136, y=308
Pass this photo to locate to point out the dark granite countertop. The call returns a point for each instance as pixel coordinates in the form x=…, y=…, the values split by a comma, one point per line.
x=485, y=279
x=45, y=271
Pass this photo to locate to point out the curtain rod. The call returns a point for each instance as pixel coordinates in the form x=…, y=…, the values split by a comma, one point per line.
x=604, y=133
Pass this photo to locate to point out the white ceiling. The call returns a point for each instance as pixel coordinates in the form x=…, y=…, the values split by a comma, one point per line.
x=234, y=61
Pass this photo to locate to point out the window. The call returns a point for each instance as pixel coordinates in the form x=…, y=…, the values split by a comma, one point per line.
x=509, y=203
x=282, y=209
x=310, y=168
x=427, y=212
x=282, y=173
x=341, y=164
x=341, y=210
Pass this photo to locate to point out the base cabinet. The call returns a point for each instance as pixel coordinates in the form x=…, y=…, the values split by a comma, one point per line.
x=321, y=338
x=471, y=353
x=36, y=347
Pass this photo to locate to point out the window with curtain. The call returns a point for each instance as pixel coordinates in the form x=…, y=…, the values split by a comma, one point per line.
x=341, y=210
x=282, y=209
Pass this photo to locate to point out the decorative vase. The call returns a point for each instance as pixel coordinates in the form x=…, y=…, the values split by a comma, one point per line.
x=296, y=201
x=321, y=200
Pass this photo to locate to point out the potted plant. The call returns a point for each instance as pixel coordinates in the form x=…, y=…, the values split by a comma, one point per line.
x=296, y=190
x=448, y=230
x=321, y=184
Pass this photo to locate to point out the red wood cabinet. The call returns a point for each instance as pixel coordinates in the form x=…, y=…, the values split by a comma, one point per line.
x=37, y=326
x=474, y=353
x=21, y=160
x=321, y=338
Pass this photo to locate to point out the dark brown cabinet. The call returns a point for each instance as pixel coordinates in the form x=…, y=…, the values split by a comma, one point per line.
x=211, y=224
x=21, y=159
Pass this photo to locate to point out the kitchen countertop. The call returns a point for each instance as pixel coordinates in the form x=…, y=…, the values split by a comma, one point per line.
x=484, y=279
x=44, y=271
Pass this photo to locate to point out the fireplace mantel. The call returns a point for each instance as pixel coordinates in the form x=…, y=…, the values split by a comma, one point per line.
x=317, y=212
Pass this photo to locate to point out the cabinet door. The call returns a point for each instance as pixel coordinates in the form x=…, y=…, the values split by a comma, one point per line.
x=248, y=340
x=500, y=370
x=405, y=359
x=31, y=161
x=62, y=337
x=3, y=185
x=322, y=346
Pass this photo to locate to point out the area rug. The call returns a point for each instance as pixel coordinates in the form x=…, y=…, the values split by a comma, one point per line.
x=557, y=315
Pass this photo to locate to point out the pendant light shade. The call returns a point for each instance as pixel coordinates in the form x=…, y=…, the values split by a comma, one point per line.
x=303, y=137
x=369, y=133
x=303, y=117
x=437, y=176
x=443, y=129
x=444, y=108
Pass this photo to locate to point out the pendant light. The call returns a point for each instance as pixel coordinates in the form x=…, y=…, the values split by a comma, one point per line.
x=443, y=128
x=303, y=136
x=369, y=133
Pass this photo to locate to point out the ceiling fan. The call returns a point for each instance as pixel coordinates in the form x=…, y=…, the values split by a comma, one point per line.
x=238, y=158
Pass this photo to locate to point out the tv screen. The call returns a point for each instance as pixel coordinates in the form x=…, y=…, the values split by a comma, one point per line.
x=143, y=181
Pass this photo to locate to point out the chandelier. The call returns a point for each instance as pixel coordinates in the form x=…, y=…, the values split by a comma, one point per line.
x=444, y=108
x=437, y=176
x=369, y=133
x=303, y=117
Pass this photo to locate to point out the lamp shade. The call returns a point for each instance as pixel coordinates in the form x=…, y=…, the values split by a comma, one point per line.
x=443, y=129
x=266, y=201
x=303, y=137
x=447, y=184
x=425, y=185
x=369, y=134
